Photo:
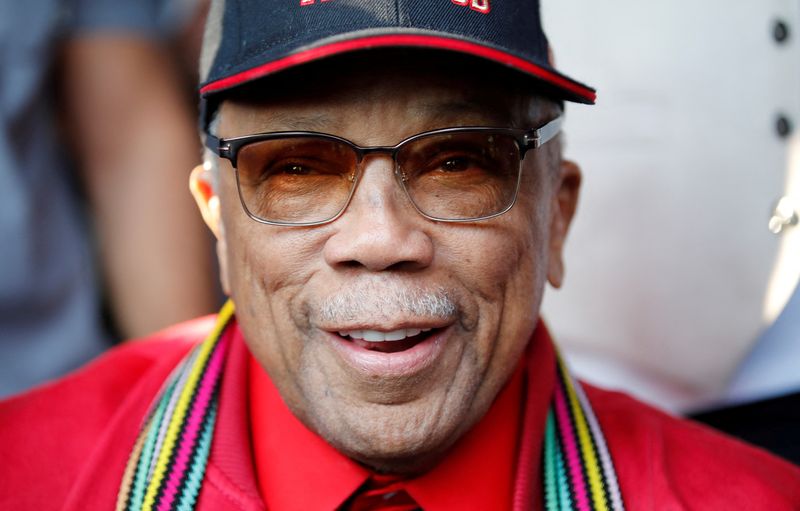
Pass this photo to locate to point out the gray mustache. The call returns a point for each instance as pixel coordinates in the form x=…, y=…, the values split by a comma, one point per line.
x=378, y=303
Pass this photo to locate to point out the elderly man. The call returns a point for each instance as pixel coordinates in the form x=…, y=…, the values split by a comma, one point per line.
x=386, y=185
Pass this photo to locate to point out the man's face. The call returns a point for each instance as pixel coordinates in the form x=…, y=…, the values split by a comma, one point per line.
x=466, y=295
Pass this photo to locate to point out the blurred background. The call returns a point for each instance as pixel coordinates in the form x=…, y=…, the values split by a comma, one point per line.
x=99, y=237
x=683, y=263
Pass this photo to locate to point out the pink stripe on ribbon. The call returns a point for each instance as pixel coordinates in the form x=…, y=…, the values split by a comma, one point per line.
x=572, y=451
x=193, y=425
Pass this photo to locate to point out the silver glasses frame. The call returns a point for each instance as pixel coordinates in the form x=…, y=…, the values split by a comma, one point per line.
x=526, y=139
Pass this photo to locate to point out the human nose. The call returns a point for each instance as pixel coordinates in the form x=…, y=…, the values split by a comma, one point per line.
x=380, y=229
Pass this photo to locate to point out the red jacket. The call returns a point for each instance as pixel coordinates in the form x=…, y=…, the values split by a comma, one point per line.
x=65, y=445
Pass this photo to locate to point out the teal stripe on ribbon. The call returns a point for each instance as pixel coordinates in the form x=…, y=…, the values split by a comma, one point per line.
x=564, y=494
x=194, y=481
x=145, y=458
x=550, y=494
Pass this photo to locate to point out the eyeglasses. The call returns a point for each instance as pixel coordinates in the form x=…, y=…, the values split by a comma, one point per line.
x=300, y=178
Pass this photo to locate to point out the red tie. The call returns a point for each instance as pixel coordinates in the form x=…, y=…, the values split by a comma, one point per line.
x=383, y=493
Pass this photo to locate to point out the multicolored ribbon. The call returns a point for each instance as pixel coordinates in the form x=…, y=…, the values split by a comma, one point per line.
x=578, y=472
x=166, y=468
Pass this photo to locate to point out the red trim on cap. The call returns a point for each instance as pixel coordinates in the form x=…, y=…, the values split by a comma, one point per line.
x=400, y=40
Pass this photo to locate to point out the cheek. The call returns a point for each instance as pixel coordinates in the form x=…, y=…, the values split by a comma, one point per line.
x=268, y=268
x=510, y=277
x=252, y=247
x=507, y=257
x=265, y=261
x=268, y=273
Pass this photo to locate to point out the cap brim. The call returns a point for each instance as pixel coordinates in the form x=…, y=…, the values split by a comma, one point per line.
x=565, y=87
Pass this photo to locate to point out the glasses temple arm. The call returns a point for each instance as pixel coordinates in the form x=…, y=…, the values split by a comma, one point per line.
x=546, y=133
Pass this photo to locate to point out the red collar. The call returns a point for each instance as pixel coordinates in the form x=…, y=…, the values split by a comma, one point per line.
x=298, y=470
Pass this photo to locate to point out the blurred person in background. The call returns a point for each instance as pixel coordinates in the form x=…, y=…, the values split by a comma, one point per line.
x=96, y=136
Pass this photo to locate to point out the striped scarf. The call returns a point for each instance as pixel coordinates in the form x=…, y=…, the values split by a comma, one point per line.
x=166, y=468
x=578, y=472
x=168, y=461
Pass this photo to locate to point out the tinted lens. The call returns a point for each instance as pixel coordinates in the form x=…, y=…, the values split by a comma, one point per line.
x=462, y=175
x=302, y=179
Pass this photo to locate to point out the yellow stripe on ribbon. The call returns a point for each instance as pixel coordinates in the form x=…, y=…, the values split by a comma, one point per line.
x=183, y=403
x=589, y=455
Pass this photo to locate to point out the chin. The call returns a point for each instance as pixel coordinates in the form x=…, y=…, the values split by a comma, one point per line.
x=403, y=439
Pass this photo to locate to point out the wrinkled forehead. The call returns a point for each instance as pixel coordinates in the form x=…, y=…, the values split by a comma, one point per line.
x=445, y=89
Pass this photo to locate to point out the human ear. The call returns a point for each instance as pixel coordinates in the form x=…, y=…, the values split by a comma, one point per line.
x=564, y=204
x=202, y=188
x=201, y=185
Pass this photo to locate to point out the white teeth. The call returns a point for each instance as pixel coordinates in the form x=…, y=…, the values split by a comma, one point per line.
x=376, y=336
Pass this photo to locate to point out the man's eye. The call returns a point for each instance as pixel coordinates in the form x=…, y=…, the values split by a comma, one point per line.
x=456, y=164
x=295, y=169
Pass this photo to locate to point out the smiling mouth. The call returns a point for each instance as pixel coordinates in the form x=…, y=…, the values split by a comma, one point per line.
x=388, y=342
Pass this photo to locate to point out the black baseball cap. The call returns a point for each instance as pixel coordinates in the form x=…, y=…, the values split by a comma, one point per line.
x=263, y=37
